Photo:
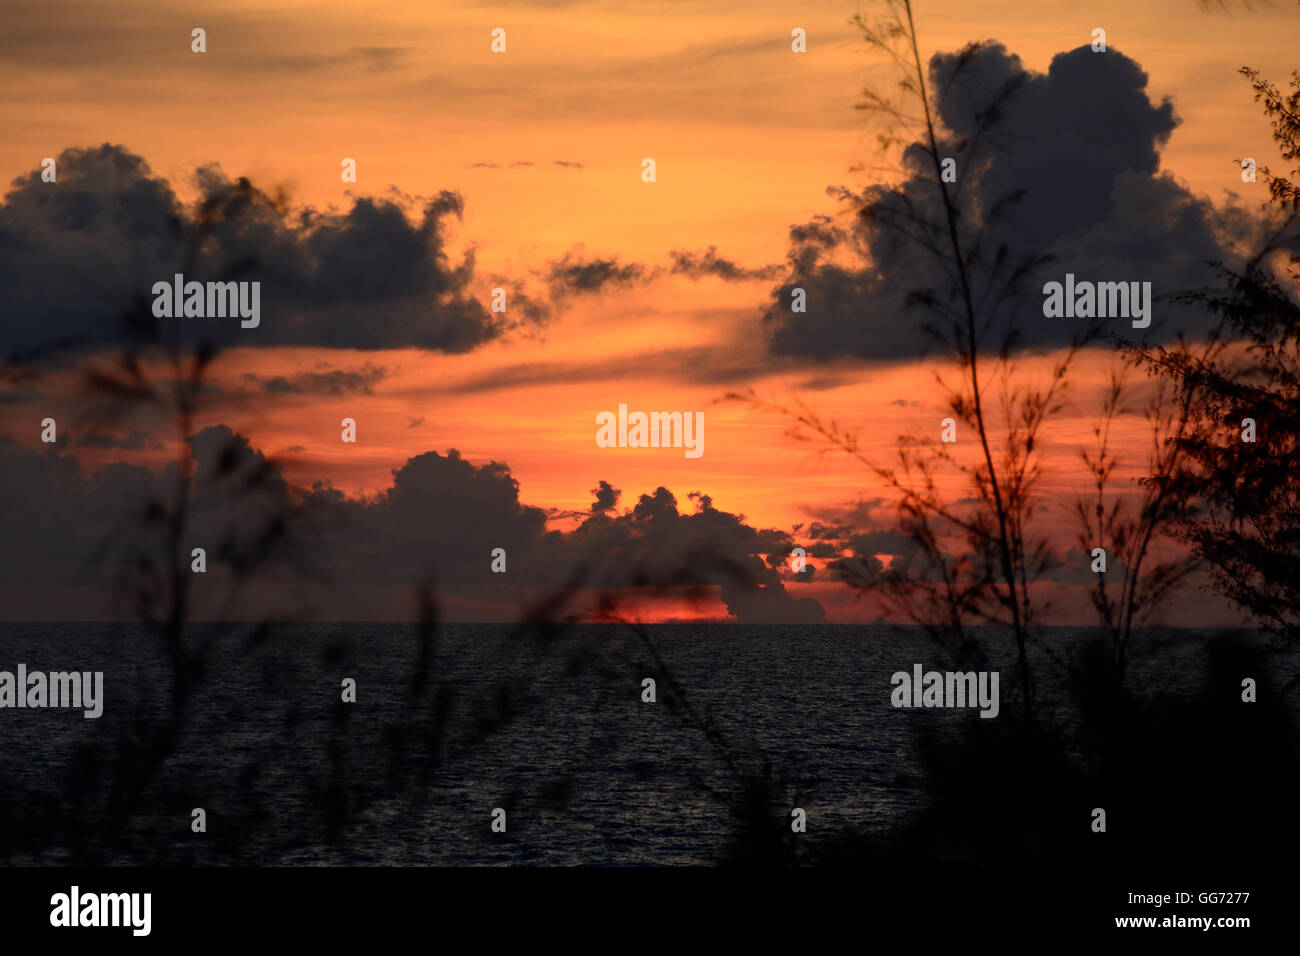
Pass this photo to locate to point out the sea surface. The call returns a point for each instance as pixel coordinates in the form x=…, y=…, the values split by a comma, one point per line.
x=449, y=725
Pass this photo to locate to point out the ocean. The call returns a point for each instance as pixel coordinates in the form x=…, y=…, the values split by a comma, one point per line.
x=551, y=728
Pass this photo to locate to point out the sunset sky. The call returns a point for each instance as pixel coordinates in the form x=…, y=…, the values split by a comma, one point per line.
x=544, y=145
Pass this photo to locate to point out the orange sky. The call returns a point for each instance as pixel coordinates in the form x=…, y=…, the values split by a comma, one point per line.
x=746, y=136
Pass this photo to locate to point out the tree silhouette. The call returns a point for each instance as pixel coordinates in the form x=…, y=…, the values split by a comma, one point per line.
x=1243, y=496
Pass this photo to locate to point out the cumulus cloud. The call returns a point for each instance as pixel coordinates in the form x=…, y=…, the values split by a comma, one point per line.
x=79, y=258
x=438, y=522
x=606, y=497
x=655, y=544
x=1070, y=172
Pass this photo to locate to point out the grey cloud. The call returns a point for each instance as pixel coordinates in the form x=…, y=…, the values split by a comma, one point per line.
x=705, y=365
x=573, y=273
x=696, y=264
x=1079, y=145
x=135, y=440
x=606, y=497
x=439, y=520
x=78, y=260
x=356, y=381
x=577, y=273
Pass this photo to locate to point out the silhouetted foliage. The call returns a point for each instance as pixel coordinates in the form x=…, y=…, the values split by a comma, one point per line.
x=1242, y=514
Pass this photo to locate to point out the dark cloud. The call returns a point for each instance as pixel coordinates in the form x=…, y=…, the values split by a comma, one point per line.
x=1079, y=148
x=825, y=532
x=907, y=559
x=709, y=263
x=440, y=521
x=574, y=274
x=887, y=541
x=859, y=535
x=656, y=545
x=823, y=549
x=702, y=364
x=415, y=422
x=356, y=381
x=840, y=520
x=59, y=516
x=849, y=537
x=1074, y=568
x=137, y=439
x=606, y=498
x=520, y=301
x=570, y=164
x=87, y=539
x=79, y=257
